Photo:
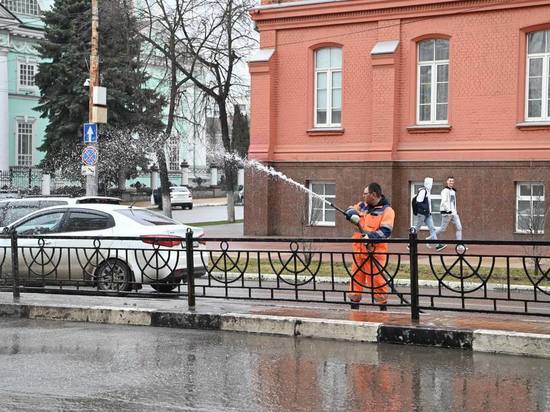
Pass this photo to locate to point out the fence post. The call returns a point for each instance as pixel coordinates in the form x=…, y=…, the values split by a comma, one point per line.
x=15, y=265
x=46, y=182
x=190, y=270
x=413, y=255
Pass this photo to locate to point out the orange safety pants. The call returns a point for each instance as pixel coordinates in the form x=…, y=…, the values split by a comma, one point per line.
x=366, y=270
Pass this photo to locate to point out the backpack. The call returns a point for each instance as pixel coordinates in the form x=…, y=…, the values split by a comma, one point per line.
x=415, y=204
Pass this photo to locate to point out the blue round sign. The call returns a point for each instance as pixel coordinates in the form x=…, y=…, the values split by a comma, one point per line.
x=89, y=156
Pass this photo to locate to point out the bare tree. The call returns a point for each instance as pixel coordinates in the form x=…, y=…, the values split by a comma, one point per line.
x=204, y=42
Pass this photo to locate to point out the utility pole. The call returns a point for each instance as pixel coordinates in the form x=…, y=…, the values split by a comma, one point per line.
x=91, y=181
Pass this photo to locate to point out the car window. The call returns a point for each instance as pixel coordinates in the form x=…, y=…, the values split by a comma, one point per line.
x=15, y=212
x=147, y=218
x=102, y=200
x=81, y=220
x=180, y=189
x=38, y=225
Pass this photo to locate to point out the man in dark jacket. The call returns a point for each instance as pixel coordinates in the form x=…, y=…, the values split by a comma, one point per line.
x=422, y=210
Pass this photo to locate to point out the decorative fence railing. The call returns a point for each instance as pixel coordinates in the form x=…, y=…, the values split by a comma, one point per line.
x=484, y=276
x=19, y=178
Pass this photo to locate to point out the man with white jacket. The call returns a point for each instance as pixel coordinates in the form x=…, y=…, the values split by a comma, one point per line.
x=449, y=213
x=423, y=209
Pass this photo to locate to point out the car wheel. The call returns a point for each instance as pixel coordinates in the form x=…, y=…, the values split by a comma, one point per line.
x=190, y=207
x=114, y=274
x=164, y=287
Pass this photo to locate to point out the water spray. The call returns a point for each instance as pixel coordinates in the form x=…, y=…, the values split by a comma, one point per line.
x=275, y=173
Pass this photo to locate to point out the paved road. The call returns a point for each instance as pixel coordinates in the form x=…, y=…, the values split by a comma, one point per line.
x=205, y=214
x=67, y=366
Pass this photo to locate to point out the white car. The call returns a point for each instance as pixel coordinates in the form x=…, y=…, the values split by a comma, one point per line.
x=181, y=196
x=155, y=255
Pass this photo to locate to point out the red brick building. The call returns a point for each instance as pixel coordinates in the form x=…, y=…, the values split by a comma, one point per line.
x=346, y=92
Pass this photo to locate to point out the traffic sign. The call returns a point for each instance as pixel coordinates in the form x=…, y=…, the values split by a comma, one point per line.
x=89, y=156
x=88, y=170
x=89, y=132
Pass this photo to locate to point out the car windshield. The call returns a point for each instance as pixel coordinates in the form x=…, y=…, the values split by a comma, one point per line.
x=147, y=218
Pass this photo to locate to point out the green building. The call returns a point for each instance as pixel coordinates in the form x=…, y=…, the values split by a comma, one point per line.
x=21, y=128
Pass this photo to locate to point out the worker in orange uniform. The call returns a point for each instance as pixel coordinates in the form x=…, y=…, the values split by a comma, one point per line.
x=374, y=218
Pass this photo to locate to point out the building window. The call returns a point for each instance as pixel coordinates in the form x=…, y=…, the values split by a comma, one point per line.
x=436, y=201
x=26, y=75
x=29, y=7
x=320, y=213
x=174, y=153
x=538, y=76
x=328, y=87
x=433, y=82
x=530, y=208
x=24, y=143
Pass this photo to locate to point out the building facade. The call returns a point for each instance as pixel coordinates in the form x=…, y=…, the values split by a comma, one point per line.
x=21, y=128
x=349, y=92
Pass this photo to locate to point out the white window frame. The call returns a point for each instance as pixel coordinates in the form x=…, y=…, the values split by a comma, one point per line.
x=545, y=95
x=530, y=199
x=28, y=7
x=325, y=206
x=434, y=82
x=435, y=195
x=32, y=88
x=24, y=159
x=329, y=73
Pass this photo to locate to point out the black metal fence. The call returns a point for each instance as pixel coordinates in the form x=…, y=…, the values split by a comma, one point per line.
x=21, y=178
x=474, y=276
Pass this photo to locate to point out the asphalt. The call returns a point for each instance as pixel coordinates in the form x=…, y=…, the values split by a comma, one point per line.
x=504, y=334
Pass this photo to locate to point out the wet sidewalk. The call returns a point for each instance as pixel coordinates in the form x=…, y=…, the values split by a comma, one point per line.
x=518, y=335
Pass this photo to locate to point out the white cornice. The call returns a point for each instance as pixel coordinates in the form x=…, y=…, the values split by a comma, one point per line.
x=294, y=4
x=319, y=12
x=28, y=33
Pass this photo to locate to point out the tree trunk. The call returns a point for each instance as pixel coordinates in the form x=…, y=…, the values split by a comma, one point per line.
x=229, y=168
x=121, y=184
x=164, y=183
x=161, y=157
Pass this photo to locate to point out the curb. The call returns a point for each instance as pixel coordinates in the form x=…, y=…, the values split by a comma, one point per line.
x=489, y=341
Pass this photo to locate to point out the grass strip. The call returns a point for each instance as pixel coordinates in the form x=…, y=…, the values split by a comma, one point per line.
x=286, y=266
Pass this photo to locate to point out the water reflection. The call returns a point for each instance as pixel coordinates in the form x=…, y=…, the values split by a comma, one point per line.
x=89, y=367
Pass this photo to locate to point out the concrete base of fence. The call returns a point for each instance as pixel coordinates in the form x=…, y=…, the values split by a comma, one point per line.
x=513, y=343
x=494, y=341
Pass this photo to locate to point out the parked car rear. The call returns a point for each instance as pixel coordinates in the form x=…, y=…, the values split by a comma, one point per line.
x=179, y=196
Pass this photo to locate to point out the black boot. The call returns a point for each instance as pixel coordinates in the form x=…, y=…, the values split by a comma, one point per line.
x=354, y=305
x=383, y=308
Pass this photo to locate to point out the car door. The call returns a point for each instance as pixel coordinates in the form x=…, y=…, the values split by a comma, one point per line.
x=85, y=254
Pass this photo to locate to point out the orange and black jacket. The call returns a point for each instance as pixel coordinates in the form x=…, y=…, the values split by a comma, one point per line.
x=376, y=221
